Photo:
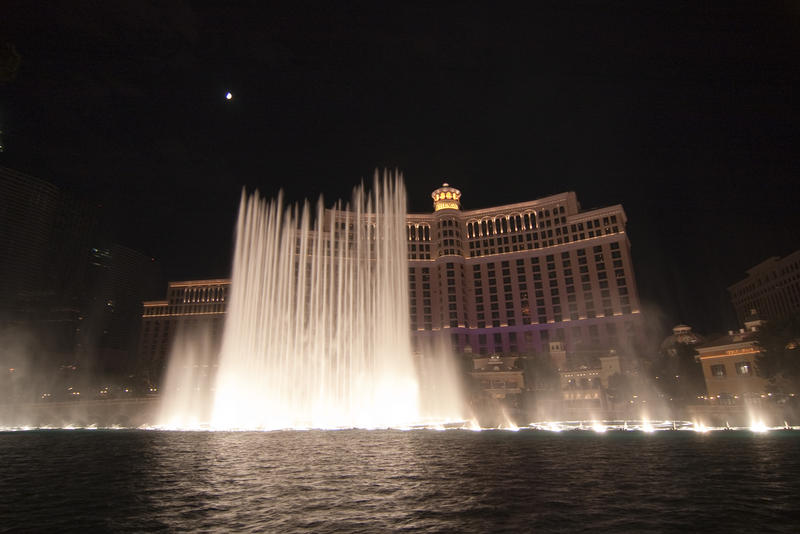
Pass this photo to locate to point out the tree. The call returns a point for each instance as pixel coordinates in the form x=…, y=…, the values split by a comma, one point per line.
x=619, y=388
x=779, y=360
x=678, y=374
x=538, y=372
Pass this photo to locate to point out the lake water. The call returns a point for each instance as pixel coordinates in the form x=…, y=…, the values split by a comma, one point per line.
x=416, y=481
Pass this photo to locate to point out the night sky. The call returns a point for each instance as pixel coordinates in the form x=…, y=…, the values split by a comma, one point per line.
x=688, y=116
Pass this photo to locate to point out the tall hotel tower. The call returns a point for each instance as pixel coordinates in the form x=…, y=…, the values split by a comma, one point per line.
x=515, y=278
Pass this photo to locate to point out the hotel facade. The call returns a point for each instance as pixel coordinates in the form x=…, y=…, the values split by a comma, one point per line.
x=730, y=367
x=509, y=279
x=772, y=288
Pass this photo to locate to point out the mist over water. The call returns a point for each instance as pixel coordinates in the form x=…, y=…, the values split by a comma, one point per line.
x=317, y=333
x=441, y=388
x=190, y=379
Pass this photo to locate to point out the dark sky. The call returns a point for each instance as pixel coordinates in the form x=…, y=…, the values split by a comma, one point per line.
x=685, y=114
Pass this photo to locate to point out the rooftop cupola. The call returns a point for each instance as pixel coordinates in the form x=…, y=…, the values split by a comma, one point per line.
x=446, y=198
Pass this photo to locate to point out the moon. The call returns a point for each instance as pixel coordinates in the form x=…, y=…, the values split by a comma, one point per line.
x=228, y=96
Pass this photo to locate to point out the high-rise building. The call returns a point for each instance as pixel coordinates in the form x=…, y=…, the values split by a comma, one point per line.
x=68, y=298
x=44, y=243
x=28, y=213
x=772, y=289
x=508, y=279
x=515, y=277
x=118, y=278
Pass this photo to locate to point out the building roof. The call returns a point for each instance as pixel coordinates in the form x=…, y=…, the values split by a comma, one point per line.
x=731, y=338
x=681, y=334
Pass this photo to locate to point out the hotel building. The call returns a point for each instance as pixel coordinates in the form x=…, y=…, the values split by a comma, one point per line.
x=730, y=365
x=508, y=279
x=772, y=288
x=513, y=278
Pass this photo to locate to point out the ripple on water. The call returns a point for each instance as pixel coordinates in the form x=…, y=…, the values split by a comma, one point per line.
x=419, y=481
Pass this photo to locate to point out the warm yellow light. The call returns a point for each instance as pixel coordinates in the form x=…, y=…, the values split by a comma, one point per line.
x=699, y=427
x=758, y=427
x=441, y=205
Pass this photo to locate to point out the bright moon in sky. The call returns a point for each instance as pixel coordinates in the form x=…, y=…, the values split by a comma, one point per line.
x=228, y=96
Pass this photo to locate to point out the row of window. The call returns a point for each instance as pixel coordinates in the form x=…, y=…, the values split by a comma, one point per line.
x=516, y=306
x=743, y=368
x=576, y=337
x=532, y=241
x=419, y=232
x=770, y=279
x=527, y=221
x=198, y=294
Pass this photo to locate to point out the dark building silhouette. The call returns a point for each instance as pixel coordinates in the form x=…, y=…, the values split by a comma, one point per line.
x=118, y=279
x=44, y=242
x=68, y=304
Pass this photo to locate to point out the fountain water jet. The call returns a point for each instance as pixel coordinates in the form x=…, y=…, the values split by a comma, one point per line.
x=317, y=333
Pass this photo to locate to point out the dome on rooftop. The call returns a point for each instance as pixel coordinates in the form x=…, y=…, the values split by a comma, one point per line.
x=446, y=197
x=681, y=334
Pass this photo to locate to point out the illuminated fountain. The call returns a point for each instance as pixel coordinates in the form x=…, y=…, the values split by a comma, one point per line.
x=317, y=333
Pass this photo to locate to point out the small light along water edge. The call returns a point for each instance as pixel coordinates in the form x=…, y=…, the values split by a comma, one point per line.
x=581, y=425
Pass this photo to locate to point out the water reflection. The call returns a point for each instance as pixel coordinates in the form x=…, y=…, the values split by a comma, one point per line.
x=421, y=480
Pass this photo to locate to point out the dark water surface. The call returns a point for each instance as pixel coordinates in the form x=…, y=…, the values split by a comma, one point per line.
x=418, y=481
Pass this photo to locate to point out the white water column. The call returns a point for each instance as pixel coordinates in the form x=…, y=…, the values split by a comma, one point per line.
x=317, y=334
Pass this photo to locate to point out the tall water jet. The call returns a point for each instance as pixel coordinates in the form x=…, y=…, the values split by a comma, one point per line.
x=317, y=333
